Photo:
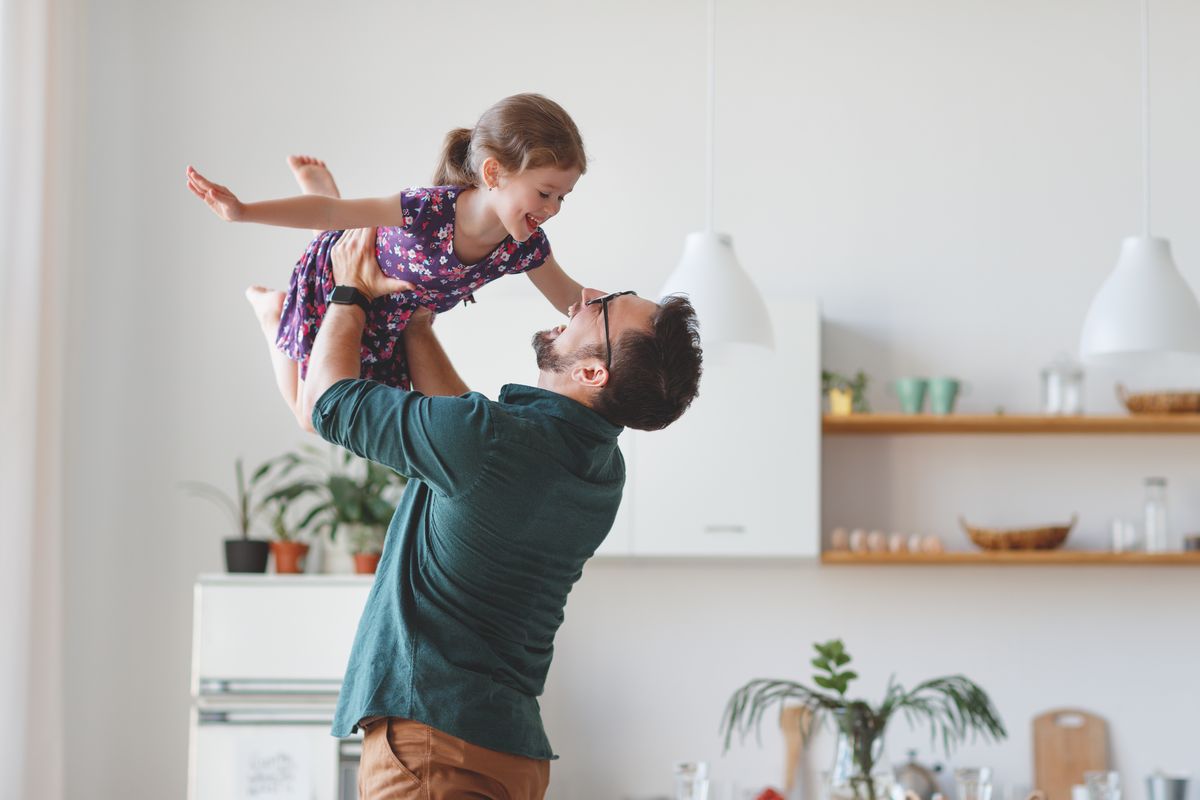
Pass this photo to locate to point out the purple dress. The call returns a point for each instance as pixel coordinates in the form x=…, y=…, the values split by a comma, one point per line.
x=422, y=253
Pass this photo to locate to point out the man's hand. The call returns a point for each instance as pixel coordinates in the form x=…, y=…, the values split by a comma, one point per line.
x=421, y=320
x=222, y=201
x=355, y=264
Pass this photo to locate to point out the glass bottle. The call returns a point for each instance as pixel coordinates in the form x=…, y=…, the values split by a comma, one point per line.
x=1157, y=536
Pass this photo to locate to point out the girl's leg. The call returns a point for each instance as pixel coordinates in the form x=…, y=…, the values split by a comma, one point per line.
x=314, y=178
x=268, y=305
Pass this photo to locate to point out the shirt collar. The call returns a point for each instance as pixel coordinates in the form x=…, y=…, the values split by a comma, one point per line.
x=561, y=407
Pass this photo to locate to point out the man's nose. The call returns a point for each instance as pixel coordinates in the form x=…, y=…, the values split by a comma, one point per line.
x=589, y=294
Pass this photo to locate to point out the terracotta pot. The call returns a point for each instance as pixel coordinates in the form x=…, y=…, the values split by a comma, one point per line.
x=289, y=557
x=366, y=563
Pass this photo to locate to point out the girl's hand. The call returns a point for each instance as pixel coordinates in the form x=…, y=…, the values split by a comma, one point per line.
x=355, y=264
x=222, y=201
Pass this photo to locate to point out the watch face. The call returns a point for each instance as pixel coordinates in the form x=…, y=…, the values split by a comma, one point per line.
x=348, y=295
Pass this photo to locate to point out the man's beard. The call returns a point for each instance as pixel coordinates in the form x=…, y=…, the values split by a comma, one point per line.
x=547, y=359
x=550, y=360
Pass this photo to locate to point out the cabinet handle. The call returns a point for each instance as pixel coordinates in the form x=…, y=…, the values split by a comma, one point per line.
x=739, y=529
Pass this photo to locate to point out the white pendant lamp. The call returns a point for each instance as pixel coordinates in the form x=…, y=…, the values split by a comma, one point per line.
x=727, y=302
x=1145, y=308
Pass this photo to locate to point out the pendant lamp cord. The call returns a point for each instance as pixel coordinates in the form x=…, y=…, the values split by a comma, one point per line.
x=712, y=112
x=1146, y=118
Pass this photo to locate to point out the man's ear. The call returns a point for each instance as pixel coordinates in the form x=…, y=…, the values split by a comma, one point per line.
x=590, y=373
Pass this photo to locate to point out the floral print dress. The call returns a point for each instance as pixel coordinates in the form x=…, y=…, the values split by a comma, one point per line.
x=422, y=253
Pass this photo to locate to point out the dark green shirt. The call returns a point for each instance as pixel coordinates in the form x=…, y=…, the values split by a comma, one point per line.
x=506, y=502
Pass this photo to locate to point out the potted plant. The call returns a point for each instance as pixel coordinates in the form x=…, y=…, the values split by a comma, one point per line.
x=953, y=706
x=366, y=544
x=354, y=495
x=286, y=546
x=846, y=395
x=242, y=554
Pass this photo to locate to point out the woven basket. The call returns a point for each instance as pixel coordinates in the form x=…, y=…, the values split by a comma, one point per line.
x=1047, y=537
x=1160, y=402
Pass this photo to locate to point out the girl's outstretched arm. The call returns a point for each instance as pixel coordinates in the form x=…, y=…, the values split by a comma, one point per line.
x=555, y=285
x=306, y=211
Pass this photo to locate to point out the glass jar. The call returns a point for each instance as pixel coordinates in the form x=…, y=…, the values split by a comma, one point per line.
x=860, y=769
x=1157, y=536
x=1062, y=387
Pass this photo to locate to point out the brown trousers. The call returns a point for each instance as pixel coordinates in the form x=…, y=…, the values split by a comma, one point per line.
x=406, y=760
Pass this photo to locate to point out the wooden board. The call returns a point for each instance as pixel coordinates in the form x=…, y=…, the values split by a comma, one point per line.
x=1067, y=742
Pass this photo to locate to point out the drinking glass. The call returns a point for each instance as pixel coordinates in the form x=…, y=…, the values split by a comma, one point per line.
x=974, y=783
x=1102, y=785
x=691, y=780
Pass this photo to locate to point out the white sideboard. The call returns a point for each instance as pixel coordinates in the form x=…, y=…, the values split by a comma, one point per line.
x=268, y=655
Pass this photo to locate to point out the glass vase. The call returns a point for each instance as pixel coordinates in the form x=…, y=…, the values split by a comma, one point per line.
x=860, y=769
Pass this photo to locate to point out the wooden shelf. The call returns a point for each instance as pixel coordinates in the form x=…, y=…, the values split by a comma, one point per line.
x=866, y=424
x=1011, y=557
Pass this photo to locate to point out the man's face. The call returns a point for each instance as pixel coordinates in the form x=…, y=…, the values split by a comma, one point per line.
x=582, y=337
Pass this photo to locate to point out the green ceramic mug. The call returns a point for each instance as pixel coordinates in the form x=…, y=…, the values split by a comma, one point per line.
x=942, y=394
x=911, y=392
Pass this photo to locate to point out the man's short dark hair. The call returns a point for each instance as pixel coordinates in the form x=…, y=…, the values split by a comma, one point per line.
x=655, y=375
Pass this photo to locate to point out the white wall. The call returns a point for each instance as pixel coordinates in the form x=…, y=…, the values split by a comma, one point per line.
x=952, y=179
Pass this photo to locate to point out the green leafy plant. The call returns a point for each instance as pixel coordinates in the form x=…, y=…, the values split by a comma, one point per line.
x=367, y=538
x=857, y=386
x=348, y=490
x=245, y=504
x=954, y=707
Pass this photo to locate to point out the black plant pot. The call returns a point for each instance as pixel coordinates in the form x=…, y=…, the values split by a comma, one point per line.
x=246, y=555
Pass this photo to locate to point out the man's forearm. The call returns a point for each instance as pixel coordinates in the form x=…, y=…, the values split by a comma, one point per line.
x=428, y=365
x=336, y=352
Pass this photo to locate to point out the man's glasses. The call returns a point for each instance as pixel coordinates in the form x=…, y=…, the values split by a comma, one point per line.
x=604, y=301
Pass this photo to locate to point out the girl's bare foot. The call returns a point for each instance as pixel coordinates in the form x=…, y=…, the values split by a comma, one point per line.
x=268, y=306
x=313, y=176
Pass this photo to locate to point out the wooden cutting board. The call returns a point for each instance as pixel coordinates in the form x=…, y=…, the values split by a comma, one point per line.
x=796, y=722
x=1067, y=742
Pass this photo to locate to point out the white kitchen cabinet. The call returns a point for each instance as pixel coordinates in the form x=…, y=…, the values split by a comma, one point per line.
x=738, y=475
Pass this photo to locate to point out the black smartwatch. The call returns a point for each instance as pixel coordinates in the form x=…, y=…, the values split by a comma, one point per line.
x=350, y=296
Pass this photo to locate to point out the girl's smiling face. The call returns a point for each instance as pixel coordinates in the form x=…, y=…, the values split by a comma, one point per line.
x=525, y=200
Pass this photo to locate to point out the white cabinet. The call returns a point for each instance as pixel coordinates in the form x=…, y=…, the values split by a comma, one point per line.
x=275, y=628
x=738, y=475
x=268, y=654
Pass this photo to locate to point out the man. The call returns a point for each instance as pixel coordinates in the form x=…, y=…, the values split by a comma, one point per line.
x=507, y=500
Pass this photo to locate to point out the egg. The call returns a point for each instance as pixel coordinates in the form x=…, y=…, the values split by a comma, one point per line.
x=897, y=543
x=932, y=544
x=877, y=542
x=839, y=539
x=914, y=542
x=858, y=540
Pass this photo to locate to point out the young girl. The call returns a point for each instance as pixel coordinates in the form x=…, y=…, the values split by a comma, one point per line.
x=497, y=184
